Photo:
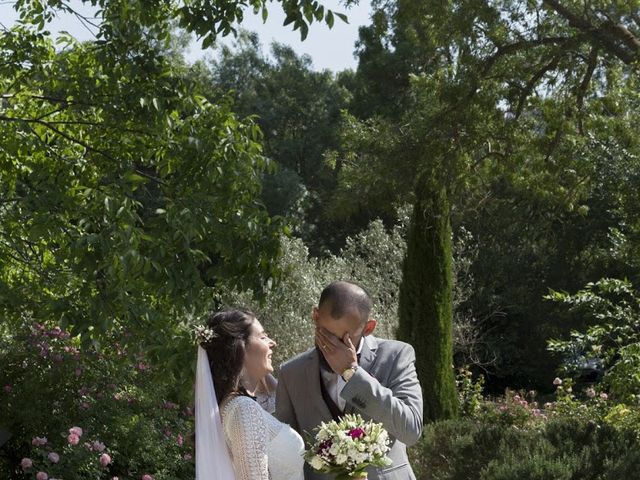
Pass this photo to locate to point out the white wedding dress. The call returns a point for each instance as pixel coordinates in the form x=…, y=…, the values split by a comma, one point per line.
x=272, y=450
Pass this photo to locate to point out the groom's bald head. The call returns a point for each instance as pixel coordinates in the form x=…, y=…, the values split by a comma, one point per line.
x=341, y=297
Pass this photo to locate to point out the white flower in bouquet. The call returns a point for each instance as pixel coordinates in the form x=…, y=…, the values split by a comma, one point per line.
x=347, y=447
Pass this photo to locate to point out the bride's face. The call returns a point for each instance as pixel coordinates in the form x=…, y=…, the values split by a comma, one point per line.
x=257, y=358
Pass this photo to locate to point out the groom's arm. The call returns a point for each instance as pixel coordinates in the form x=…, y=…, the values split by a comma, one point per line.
x=397, y=406
x=284, y=406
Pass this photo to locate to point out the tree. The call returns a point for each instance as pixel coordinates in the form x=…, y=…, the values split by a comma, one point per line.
x=298, y=109
x=126, y=196
x=507, y=92
x=426, y=299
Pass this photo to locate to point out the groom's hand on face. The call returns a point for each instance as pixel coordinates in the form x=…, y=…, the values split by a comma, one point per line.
x=339, y=353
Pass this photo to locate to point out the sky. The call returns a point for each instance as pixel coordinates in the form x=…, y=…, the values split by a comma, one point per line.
x=329, y=48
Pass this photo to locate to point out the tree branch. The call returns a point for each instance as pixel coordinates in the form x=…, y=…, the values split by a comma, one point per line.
x=79, y=142
x=584, y=85
x=606, y=35
x=532, y=83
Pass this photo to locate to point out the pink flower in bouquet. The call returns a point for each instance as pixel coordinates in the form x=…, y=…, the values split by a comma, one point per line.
x=41, y=476
x=324, y=446
x=53, y=457
x=39, y=441
x=105, y=459
x=356, y=433
x=26, y=463
x=76, y=431
x=73, y=439
x=146, y=476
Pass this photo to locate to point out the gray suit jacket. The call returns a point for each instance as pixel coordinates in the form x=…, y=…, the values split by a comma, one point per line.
x=385, y=389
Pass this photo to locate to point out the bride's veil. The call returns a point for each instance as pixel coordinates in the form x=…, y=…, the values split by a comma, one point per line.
x=212, y=457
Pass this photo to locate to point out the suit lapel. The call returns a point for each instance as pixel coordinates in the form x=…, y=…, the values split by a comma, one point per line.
x=312, y=382
x=366, y=362
x=368, y=354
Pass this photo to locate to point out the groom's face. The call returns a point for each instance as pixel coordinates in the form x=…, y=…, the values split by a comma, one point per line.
x=350, y=323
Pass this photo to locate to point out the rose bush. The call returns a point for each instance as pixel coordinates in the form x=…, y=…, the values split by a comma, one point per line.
x=79, y=411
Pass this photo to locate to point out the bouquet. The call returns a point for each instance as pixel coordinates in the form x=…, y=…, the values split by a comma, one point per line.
x=347, y=447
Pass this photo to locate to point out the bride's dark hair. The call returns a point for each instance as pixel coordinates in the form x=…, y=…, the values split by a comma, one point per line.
x=226, y=350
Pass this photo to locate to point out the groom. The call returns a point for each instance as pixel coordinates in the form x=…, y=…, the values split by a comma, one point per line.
x=350, y=371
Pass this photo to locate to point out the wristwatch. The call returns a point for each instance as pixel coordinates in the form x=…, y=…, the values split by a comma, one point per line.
x=349, y=372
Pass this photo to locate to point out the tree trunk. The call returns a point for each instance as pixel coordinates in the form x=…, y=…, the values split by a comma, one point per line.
x=426, y=299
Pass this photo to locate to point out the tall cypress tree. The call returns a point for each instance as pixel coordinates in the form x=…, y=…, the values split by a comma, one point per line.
x=426, y=301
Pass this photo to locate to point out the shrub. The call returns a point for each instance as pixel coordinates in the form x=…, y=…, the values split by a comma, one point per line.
x=127, y=424
x=612, y=307
x=469, y=449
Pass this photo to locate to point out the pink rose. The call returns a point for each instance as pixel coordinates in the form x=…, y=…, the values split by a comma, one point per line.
x=42, y=476
x=76, y=431
x=26, y=463
x=557, y=381
x=73, y=439
x=356, y=433
x=105, y=459
x=180, y=440
x=53, y=457
x=604, y=396
x=146, y=476
x=98, y=446
x=39, y=441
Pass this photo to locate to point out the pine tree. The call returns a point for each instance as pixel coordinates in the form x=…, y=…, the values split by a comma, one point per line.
x=425, y=299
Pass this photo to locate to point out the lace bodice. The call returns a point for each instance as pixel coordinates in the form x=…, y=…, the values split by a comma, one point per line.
x=262, y=448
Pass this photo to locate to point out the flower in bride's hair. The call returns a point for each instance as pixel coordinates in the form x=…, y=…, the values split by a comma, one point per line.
x=204, y=334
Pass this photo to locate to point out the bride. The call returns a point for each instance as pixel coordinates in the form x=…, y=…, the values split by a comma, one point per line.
x=235, y=437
